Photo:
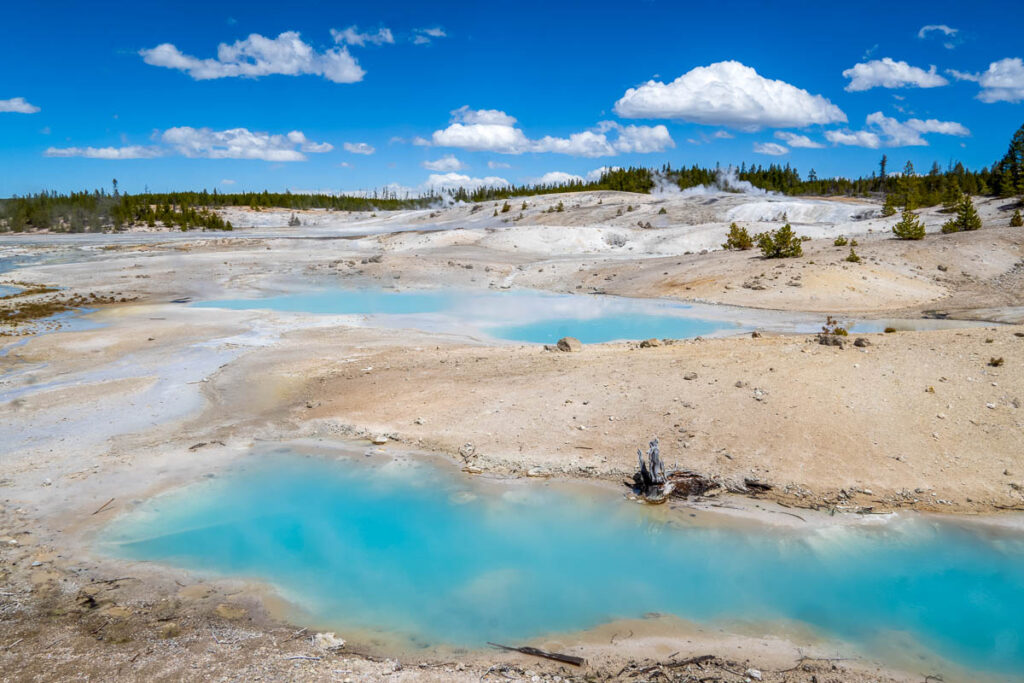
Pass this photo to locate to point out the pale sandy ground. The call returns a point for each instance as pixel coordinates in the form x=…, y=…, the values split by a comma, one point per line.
x=915, y=420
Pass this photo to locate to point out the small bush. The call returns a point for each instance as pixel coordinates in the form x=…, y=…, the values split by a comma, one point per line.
x=854, y=243
x=523, y=207
x=995, y=362
x=506, y=207
x=560, y=207
x=853, y=258
x=662, y=211
x=833, y=327
x=840, y=241
x=738, y=238
x=1016, y=220
x=629, y=208
x=890, y=330
x=781, y=243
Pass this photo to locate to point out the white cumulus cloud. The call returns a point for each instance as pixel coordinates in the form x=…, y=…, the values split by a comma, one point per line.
x=490, y=130
x=497, y=164
x=771, y=148
x=17, y=105
x=352, y=36
x=359, y=148
x=240, y=143
x=728, y=94
x=794, y=140
x=257, y=56
x=888, y=73
x=1003, y=81
x=445, y=163
x=129, y=152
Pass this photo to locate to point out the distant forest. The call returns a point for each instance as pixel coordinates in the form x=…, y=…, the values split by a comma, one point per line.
x=99, y=210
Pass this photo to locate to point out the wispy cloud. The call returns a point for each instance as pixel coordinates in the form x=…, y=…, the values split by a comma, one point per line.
x=794, y=140
x=884, y=131
x=352, y=36
x=770, y=148
x=258, y=56
x=949, y=34
x=359, y=148
x=129, y=152
x=445, y=163
x=425, y=36
x=17, y=105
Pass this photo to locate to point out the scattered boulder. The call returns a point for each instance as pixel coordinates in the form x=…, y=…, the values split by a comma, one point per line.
x=328, y=641
x=690, y=376
x=831, y=340
x=569, y=344
x=861, y=342
x=467, y=451
x=649, y=343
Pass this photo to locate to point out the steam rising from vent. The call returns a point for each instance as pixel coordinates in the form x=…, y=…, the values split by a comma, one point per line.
x=728, y=180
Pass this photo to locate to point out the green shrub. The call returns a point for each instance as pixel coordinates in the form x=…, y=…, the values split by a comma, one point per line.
x=781, y=243
x=506, y=207
x=910, y=227
x=840, y=241
x=890, y=330
x=854, y=243
x=662, y=211
x=853, y=258
x=738, y=238
x=995, y=362
x=1016, y=220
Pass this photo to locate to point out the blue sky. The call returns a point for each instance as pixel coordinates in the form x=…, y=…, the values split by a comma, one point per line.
x=448, y=93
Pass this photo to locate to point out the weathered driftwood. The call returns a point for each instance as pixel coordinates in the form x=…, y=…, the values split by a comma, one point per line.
x=556, y=656
x=654, y=485
x=649, y=480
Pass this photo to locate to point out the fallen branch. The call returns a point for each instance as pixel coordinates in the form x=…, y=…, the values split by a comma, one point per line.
x=103, y=507
x=556, y=656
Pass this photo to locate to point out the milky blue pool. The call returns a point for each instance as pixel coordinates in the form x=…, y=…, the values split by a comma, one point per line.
x=428, y=554
x=544, y=318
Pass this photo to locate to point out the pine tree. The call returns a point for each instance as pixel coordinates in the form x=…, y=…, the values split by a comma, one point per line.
x=1016, y=220
x=966, y=218
x=738, y=238
x=910, y=226
x=889, y=208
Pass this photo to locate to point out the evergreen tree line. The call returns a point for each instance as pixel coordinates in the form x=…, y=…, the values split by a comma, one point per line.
x=99, y=210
